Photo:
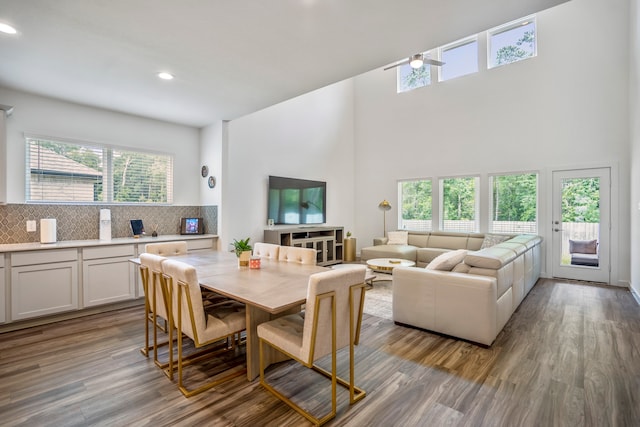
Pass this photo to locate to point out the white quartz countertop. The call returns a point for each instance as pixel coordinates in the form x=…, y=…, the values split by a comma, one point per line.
x=19, y=247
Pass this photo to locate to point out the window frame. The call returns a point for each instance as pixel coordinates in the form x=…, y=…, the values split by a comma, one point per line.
x=500, y=29
x=431, y=54
x=107, y=175
x=455, y=45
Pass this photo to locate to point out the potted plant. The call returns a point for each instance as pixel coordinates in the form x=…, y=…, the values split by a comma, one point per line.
x=243, y=251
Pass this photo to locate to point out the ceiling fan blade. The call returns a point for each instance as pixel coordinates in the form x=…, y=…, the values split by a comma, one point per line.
x=397, y=64
x=433, y=62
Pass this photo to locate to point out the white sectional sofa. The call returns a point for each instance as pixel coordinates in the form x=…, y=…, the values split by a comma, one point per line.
x=474, y=299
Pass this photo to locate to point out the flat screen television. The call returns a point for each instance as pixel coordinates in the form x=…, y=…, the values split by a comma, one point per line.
x=297, y=201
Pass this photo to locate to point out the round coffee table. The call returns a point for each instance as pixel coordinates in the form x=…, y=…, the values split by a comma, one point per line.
x=388, y=264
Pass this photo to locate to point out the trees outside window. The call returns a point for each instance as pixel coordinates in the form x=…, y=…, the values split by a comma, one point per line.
x=458, y=204
x=514, y=203
x=512, y=42
x=76, y=172
x=416, y=202
x=412, y=78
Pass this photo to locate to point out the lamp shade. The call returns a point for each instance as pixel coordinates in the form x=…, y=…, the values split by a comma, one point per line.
x=384, y=205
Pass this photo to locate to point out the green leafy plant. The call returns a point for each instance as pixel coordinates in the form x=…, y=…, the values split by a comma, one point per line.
x=241, y=246
x=348, y=234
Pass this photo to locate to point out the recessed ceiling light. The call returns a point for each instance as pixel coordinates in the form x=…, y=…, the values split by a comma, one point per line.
x=165, y=76
x=6, y=28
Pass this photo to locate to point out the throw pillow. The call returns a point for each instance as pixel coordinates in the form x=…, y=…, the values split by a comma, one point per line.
x=493, y=239
x=583, y=246
x=447, y=260
x=398, y=237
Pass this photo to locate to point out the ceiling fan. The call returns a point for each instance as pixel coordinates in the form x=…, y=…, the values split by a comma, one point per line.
x=416, y=61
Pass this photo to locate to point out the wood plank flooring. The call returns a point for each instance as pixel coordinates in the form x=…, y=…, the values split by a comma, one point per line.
x=569, y=356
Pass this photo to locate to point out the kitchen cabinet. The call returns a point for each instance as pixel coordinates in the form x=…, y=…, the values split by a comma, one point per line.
x=43, y=282
x=107, y=274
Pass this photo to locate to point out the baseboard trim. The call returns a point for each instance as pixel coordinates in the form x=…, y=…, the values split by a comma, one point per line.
x=636, y=296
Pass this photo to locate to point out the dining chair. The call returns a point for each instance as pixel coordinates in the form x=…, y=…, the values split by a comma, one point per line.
x=297, y=254
x=266, y=250
x=334, y=304
x=166, y=248
x=203, y=325
x=155, y=302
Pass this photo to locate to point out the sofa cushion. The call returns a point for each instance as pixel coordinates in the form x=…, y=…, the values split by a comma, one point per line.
x=389, y=251
x=492, y=258
x=398, y=237
x=419, y=239
x=448, y=240
x=493, y=239
x=447, y=261
x=427, y=255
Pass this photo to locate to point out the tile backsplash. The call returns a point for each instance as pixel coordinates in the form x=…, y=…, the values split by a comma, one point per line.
x=82, y=222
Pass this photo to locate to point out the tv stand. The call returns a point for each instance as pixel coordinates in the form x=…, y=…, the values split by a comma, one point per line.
x=327, y=241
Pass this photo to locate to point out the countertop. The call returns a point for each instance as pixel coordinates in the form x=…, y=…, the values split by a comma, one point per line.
x=36, y=246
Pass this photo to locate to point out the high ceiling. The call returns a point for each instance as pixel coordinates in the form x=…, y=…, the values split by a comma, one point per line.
x=229, y=57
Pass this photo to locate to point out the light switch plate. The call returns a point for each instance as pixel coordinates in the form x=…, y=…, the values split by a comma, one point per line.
x=31, y=226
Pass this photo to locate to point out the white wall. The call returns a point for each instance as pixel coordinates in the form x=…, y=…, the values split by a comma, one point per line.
x=565, y=108
x=634, y=114
x=211, y=139
x=309, y=137
x=50, y=117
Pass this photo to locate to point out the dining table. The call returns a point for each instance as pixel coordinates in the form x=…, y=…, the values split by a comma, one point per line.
x=275, y=289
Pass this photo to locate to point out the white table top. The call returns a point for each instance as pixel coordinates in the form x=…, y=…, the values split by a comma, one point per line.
x=387, y=264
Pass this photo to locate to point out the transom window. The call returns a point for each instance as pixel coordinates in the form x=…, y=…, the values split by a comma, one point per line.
x=410, y=78
x=512, y=42
x=63, y=171
x=416, y=205
x=458, y=204
x=514, y=203
x=460, y=58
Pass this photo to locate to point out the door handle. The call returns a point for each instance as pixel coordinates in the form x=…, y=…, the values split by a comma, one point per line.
x=557, y=229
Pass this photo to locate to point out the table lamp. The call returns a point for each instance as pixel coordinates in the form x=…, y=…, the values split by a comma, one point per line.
x=385, y=206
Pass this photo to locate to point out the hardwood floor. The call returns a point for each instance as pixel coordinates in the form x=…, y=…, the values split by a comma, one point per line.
x=569, y=356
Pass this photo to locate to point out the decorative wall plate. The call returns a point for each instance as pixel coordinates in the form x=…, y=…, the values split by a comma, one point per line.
x=212, y=181
x=204, y=171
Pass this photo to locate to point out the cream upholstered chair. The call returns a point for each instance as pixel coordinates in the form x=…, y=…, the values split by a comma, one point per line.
x=296, y=254
x=166, y=248
x=334, y=305
x=266, y=250
x=155, y=301
x=216, y=323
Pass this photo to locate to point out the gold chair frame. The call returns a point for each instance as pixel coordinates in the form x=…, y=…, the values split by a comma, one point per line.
x=150, y=315
x=230, y=342
x=355, y=393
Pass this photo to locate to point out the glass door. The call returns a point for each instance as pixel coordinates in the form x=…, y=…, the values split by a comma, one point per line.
x=581, y=225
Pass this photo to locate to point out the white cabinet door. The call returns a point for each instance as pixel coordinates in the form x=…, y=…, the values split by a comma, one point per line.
x=107, y=280
x=3, y=314
x=41, y=289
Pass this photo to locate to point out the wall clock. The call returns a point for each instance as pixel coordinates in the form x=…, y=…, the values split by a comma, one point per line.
x=204, y=171
x=212, y=181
